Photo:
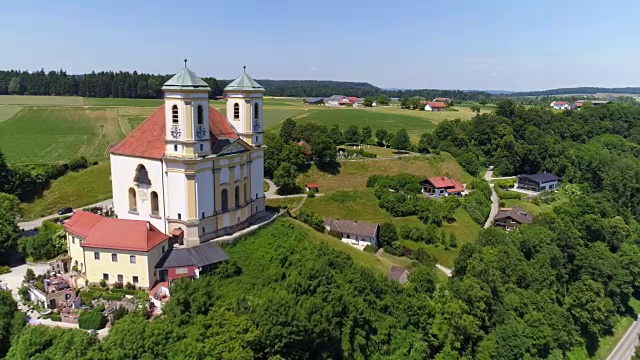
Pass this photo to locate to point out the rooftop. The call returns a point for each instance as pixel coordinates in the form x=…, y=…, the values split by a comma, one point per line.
x=186, y=79
x=351, y=227
x=244, y=82
x=396, y=273
x=540, y=178
x=201, y=255
x=516, y=213
x=111, y=233
x=443, y=182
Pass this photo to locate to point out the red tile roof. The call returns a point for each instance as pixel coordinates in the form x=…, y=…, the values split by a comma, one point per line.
x=311, y=186
x=148, y=139
x=110, y=233
x=352, y=98
x=443, y=182
x=436, y=104
x=560, y=102
x=306, y=147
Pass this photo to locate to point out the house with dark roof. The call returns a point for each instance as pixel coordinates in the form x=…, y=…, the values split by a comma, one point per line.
x=511, y=218
x=192, y=262
x=442, y=186
x=537, y=182
x=115, y=250
x=336, y=100
x=399, y=274
x=315, y=101
x=355, y=233
x=580, y=103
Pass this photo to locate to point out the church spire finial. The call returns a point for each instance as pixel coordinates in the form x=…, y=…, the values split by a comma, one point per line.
x=244, y=69
x=185, y=62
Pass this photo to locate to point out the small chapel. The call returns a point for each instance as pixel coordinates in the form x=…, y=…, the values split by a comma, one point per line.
x=190, y=169
x=185, y=176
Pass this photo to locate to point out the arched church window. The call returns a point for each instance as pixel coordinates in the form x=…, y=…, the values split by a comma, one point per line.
x=132, y=200
x=200, y=115
x=142, y=176
x=236, y=111
x=237, y=197
x=174, y=114
x=256, y=111
x=224, y=199
x=155, y=206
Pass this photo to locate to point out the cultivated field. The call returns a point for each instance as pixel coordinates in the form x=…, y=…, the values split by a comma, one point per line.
x=46, y=134
x=8, y=111
x=123, y=102
x=41, y=100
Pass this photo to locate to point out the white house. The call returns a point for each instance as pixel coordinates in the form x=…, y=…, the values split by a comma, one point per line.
x=355, y=233
x=335, y=100
x=434, y=106
x=560, y=105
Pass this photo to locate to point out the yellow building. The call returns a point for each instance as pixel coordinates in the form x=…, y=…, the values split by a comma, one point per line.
x=115, y=250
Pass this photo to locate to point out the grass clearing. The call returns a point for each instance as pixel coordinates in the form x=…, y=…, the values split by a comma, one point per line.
x=274, y=116
x=74, y=189
x=56, y=134
x=354, y=174
x=527, y=205
x=130, y=117
x=354, y=205
x=287, y=202
x=8, y=111
x=123, y=102
x=41, y=100
x=380, y=152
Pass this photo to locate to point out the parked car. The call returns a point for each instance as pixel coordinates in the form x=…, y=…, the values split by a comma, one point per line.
x=65, y=211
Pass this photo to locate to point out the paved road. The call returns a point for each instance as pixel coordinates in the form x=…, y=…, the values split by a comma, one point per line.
x=271, y=193
x=627, y=345
x=30, y=225
x=14, y=278
x=495, y=201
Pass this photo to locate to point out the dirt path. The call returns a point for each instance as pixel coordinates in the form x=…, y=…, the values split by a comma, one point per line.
x=495, y=201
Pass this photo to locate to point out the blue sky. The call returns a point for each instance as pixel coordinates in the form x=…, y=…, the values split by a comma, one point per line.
x=455, y=44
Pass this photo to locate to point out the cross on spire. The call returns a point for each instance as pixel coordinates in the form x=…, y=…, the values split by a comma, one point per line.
x=185, y=62
x=244, y=69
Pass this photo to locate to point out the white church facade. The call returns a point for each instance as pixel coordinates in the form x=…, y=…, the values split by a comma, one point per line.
x=189, y=170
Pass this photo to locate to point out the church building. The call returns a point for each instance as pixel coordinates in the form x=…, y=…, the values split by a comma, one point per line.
x=186, y=175
x=190, y=169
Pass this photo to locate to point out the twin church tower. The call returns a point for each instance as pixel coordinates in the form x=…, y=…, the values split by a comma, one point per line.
x=190, y=170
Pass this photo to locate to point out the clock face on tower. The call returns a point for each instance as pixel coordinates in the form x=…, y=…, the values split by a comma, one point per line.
x=256, y=124
x=201, y=132
x=175, y=132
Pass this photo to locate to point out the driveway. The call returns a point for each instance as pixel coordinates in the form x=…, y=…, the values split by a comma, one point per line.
x=627, y=345
x=14, y=278
x=495, y=201
x=30, y=225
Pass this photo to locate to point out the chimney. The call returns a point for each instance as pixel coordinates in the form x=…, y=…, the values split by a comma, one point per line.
x=149, y=226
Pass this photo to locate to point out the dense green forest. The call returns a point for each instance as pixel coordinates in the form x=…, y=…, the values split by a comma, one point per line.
x=124, y=84
x=579, y=90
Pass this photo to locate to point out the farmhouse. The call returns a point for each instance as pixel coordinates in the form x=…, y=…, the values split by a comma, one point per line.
x=336, y=100
x=580, y=103
x=434, y=106
x=399, y=274
x=537, y=182
x=355, y=233
x=560, y=105
x=308, y=153
x=315, y=101
x=511, y=218
x=442, y=186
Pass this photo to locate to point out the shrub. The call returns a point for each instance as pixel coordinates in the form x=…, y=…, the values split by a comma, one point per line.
x=29, y=275
x=103, y=283
x=78, y=163
x=424, y=258
x=370, y=249
x=393, y=251
x=92, y=320
x=310, y=218
x=4, y=270
x=56, y=317
x=118, y=285
x=124, y=291
x=335, y=234
x=24, y=293
x=311, y=194
x=228, y=269
x=99, y=308
x=129, y=286
x=112, y=297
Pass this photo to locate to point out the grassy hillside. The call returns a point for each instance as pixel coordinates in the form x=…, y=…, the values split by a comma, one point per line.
x=8, y=111
x=74, y=189
x=354, y=174
x=41, y=100
x=52, y=134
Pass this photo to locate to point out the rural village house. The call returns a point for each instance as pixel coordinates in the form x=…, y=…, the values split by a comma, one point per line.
x=560, y=105
x=308, y=153
x=315, y=101
x=337, y=100
x=399, y=274
x=537, y=182
x=442, y=186
x=434, y=105
x=355, y=233
x=190, y=262
x=511, y=218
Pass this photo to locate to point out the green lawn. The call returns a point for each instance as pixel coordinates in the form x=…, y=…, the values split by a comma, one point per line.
x=74, y=189
x=288, y=202
x=465, y=230
x=8, y=111
x=40, y=100
x=274, y=116
x=352, y=205
x=380, y=152
x=123, y=102
x=354, y=174
x=57, y=134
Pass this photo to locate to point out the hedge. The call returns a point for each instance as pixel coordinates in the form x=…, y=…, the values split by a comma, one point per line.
x=112, y=297
x=56, y=317
x=92, y=320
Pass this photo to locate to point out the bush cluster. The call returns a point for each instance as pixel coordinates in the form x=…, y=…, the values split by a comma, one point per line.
x=312, y=219
x=92, y=320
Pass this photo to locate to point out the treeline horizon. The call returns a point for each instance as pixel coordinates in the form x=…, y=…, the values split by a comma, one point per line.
x=125, y=84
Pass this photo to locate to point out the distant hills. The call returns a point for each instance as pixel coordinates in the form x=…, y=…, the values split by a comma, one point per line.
x=579, y=91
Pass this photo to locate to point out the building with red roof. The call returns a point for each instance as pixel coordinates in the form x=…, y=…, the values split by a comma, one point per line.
x=560, y=105
x=434, y=106
x=442, y=186
x=190, y=167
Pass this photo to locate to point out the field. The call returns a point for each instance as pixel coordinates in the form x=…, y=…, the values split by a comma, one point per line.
x=354, y=174
x=123, y=102
x=41, y=100
x=56, y=134
x=74, y=189
x=8, y=111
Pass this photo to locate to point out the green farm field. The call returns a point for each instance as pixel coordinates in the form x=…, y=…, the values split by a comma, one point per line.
x=55, y=134
x=8, y=111
x=41, y=100
x=123, y=102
